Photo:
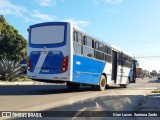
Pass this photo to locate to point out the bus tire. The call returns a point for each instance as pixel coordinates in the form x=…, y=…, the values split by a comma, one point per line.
x=73, y=86
x=102, y=83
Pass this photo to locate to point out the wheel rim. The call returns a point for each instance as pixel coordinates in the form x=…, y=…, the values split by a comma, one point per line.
x=103, y=83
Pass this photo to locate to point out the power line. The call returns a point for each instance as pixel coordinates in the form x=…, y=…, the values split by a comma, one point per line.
x=147, y=56
x=144, y=53
x=136, y=42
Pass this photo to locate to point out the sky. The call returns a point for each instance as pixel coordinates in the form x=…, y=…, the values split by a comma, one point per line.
x=131, y=25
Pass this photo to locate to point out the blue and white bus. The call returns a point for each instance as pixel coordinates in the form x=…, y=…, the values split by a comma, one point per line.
x=59, y=52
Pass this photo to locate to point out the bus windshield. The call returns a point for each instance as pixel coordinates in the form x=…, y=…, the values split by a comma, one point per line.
x=47, y=34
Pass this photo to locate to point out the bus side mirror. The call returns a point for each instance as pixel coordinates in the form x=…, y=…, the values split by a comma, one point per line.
x=28, y=30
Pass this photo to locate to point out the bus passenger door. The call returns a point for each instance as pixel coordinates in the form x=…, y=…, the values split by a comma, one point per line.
x=114, y=66
x=134, y=62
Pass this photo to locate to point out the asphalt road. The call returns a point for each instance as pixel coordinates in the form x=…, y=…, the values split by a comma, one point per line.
x=47, y=97
x=58, y=97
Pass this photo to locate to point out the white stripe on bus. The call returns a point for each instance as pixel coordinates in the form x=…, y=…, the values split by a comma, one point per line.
x=40, y=62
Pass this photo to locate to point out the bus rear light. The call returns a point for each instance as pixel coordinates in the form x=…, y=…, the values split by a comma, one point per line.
x=29, y=64
x=64, y=64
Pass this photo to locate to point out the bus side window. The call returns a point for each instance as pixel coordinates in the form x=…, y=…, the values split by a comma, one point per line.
x=79, y=38
x=121, y=55
x=93, y=43
x=75, y=36
x=84, y=40
x=99, y=55
x=87, y=51
x=109, y=51
x=89, y=42
x=77, y=48
x=107, y=57
x=106, y=49
x=96, y=45
x=101, y=47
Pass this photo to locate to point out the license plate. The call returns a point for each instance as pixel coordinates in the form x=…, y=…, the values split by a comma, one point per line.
x=45, y=70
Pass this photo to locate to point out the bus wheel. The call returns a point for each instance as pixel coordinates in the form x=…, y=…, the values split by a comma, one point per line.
x=73, y=86
x=102, y=83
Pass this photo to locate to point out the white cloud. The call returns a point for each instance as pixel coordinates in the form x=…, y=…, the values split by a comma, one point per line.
x=46, y=3
x=8, y=8
x=42, y=17
x=113, y=1
x=30, y=19
x=79, y=23
x=35, y=16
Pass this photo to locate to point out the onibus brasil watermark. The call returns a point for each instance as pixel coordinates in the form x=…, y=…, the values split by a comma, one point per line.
x=17, y=114
x=21, y=114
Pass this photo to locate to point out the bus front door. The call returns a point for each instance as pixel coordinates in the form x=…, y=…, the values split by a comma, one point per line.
x=134, y=71
x=114, y=66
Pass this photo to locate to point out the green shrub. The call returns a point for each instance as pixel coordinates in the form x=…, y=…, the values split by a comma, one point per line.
x=9, y=70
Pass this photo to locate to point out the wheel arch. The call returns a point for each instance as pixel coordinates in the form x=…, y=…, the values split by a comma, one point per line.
x=105, y=76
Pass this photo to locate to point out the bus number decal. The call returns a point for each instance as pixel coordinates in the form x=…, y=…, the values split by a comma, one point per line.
x=78, y=63
x=56, y=52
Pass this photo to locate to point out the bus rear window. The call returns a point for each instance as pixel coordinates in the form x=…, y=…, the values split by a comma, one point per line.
x=47, y=34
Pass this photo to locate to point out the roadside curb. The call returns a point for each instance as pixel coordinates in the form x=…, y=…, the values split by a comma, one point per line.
x=2, y=83
x=18, y=83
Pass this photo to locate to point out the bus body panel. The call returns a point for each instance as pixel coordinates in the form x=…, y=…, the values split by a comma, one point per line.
x=46, y=62
x=87, y=70
x=46, y=59
x=107, y=70
x=122, y=75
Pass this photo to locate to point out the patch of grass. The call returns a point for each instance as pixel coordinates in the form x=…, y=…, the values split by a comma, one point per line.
x=155, y=91
x=23, y=78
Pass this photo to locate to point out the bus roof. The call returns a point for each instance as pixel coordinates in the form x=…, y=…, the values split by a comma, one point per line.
x=84, y=32
x=97, y=39
x=92, y=36
x=120, y=50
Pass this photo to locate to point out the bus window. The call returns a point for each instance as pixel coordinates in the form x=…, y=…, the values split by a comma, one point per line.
x=92, y=43
x=107, y=58
x=106, y=49
x=89, y=52
x=97, y=45
x=75, y=36
x=99, y=55
x=109, y=51
x=84, y=40
x=120, y=55
x=79, y=38
x=77, y=48
x=89, y=42
x=55, y=35
x=101, y=47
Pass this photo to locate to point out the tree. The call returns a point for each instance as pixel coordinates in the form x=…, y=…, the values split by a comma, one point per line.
x=12, y=44
x=153, y=73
